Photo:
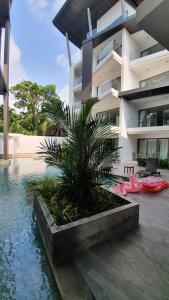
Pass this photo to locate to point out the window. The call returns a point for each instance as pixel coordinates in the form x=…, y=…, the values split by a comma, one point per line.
x=143, y=148
x=151, y=50
x=158, y=148
x=155, y=116
x=147, y=118
x=152, y=148
x=162, y=148
x=166, y=116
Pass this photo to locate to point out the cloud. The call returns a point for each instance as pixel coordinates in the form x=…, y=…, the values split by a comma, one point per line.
x=64, y=94
x=17, y=72
x=62, y=61
x=44, y=8
x=38, y=7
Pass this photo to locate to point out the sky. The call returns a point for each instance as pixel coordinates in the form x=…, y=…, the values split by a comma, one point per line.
x=38, y=50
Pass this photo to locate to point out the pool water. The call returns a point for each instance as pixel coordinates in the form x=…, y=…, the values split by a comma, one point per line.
x=24, y=269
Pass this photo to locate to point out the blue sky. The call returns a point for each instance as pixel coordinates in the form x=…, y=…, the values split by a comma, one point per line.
x=38, y=49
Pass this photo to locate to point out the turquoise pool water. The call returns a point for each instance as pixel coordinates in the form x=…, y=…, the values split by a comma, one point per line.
x=24, y=270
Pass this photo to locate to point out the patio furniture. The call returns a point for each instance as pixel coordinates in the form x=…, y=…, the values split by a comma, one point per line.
x=151, y=168
x=129, y=166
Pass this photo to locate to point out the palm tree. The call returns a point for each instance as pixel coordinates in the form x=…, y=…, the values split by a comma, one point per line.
x=55, y=112
x=81, y=156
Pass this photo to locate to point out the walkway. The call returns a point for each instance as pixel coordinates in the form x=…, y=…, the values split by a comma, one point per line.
x=135, y=267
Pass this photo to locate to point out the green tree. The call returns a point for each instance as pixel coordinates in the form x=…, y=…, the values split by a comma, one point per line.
x=56, y=120
x=30, y=98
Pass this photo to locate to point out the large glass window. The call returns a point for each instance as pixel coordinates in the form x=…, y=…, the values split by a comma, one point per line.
x=162, y=148
x=158, y=148
x=143, y=148
x=166, y=116
x=152, y=148
x=147, y=118
x=156, y=116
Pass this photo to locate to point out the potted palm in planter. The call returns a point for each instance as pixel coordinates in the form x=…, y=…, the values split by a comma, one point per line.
x=74, y=212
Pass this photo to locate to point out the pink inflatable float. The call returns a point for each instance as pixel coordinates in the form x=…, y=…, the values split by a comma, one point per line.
x=127, y=187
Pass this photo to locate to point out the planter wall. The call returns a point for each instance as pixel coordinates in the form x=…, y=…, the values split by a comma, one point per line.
x=64, y=242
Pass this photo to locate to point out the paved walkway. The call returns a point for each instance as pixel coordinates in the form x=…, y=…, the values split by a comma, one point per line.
x=136, y=266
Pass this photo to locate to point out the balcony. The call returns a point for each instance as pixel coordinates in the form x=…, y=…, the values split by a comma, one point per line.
x=149, y=51
x=120, y=20
x=134, y=127
x=147, y=66
x=77, y=83
x=108, y=64
x=77, y=106
x=109, y=87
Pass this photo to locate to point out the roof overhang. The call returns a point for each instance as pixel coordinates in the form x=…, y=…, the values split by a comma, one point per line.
x=72, y=18
x=4, y=11
x=145, y=92
x=153, y=16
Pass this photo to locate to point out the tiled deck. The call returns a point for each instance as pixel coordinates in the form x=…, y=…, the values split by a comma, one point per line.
x=136, y=266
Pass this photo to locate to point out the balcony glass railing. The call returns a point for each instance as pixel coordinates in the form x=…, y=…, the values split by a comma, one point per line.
x=154, y=49
x=77, y=105
x=108, y=85
x=107, y=50
x=77, y=81
x=112, y=115
x=115, y=23
x=155, y=80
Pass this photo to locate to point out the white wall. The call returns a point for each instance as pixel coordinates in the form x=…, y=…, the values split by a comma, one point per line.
x=24, y=144
x=128, y=143
x=128, y=77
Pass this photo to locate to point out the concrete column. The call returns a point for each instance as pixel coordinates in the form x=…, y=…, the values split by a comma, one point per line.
x=87, y=70
x=127, y=110
x=6, y=96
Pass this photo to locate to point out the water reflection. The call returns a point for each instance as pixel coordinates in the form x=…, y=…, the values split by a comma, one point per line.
x=24, y=269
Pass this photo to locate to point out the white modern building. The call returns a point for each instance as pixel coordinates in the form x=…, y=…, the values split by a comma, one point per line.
x=123, y=66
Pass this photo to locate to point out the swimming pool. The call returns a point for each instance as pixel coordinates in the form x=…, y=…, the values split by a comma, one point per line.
x=24, y=269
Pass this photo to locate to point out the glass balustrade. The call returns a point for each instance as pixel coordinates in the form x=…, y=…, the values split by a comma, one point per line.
x=108, y=85
x=77, y=81
x=156, y=116
x=155, y=80
x=151, y=50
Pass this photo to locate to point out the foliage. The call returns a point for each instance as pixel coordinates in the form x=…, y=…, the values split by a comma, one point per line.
x=41, y=110
x=81, y=157
x=64, y=211
x=162, y=163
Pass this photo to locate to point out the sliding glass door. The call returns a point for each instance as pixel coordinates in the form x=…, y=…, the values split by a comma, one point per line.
x=158, y=148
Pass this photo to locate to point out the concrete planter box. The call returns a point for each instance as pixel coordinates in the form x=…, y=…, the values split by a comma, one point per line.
x=64, y=242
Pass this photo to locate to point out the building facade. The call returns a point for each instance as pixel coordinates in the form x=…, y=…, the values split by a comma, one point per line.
x=125, y=67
